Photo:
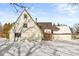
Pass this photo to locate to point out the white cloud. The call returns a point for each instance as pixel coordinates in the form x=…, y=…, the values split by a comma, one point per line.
x=67, y=8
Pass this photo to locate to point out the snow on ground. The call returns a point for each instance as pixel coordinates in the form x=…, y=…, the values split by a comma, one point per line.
x=43, y=48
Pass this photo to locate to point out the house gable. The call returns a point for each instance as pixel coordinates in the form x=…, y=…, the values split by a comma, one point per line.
x=26, y=26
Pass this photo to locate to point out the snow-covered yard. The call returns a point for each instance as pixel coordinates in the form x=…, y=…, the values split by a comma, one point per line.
x=44, y=48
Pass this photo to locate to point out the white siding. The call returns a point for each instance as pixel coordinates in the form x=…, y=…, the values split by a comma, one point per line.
x=62, y=37
x=32, y=32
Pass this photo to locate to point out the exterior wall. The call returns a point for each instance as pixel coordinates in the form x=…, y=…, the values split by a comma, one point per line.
x=62, y=37
x=32, y=32
x=11, y=35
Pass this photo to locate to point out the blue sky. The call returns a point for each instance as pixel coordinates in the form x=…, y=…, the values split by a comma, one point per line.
x=45, y=12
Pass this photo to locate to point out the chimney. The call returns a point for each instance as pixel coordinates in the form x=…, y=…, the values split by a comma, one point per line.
x=36, y=20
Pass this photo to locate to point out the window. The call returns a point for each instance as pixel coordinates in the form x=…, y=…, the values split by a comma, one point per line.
x=25, y=16
x=39, y=26
x=25, y=25
x=17, y=34
x=47, y=31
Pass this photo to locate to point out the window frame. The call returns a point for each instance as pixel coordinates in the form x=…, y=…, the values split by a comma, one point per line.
x=25, y=25
x=17, y=34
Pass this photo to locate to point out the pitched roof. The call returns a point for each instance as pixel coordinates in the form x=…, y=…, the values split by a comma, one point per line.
x=45, y=25
x=55, y=28
x=62, y=29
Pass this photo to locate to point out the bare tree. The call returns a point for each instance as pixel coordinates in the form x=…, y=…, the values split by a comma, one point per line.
x=75, y=28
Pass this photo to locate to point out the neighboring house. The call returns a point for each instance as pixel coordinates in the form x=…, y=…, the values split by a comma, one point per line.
x=46, y=28
x=26, y=28
x=62, y=32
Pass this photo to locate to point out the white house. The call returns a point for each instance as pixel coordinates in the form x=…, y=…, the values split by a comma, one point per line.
x=25, y=28
x=62, y=33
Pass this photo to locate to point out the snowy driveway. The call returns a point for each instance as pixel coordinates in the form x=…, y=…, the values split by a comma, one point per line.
x=44, y=48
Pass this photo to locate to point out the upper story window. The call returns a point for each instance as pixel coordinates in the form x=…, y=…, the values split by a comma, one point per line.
x=25, y=16
x=25, y=25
